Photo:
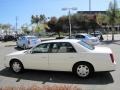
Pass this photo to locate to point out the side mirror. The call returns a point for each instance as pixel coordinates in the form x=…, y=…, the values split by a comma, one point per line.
x=30, y=51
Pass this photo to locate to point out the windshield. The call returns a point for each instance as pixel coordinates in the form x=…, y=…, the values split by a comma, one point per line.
x=81, y=42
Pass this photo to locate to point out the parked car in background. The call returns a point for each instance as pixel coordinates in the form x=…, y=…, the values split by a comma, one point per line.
x=86, y=38
x=63, y=55
x=27, y=41
x=0, y=37
x=8, y=38
x=97, y=34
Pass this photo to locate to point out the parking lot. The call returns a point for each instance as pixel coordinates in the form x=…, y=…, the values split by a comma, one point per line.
x=100, y=81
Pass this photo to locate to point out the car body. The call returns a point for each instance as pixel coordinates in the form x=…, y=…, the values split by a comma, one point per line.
x=97, y=34
x=63, y=55
x=8, y=38
x=27, y=41
x=0, y=37
x=86, y=38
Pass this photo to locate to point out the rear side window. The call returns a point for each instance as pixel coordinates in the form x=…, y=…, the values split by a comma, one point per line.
x=62, y=47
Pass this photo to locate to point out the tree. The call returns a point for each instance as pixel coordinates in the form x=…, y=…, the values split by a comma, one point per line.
x=52, y=24
x=38, y=19
x=25, y=29
x=113, y=16
x=35, y=19
x=6, y=28
x=93, y=23
x=42, y=18
x=101, y=19
x=40, y=22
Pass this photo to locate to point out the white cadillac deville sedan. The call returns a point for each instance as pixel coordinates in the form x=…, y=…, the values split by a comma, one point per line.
x=63, y=55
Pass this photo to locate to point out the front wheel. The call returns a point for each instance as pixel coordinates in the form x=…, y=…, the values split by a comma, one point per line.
x=16, y=66
x=83, y=70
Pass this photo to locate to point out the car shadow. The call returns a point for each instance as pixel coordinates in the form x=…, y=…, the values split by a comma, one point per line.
x=18, y=48
x=58, y=77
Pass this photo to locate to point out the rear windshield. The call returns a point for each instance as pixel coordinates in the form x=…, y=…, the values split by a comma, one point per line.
x=81, y=42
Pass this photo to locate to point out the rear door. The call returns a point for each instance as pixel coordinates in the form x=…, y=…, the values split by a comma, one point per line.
x=62, y=56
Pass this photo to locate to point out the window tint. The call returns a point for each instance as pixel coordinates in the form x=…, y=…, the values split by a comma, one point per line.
x=42, y=48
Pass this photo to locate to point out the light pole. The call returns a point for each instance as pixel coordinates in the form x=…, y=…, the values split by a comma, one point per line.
x=16, y=23
x=69, y=15
x=89, y=5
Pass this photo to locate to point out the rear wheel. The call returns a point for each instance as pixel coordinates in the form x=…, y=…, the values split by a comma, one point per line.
x=16, y=66
x=83, y=70
x=24, y=47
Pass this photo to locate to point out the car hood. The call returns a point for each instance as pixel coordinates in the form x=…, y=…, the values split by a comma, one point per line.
x=99, y=49
x=17, y=53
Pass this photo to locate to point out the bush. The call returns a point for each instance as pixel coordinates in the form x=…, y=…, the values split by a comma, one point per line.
x=43, y=87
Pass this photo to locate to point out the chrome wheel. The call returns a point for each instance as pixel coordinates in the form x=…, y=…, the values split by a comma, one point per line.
x=83, y=70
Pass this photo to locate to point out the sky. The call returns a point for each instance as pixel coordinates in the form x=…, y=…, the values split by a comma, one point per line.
x=23, y=9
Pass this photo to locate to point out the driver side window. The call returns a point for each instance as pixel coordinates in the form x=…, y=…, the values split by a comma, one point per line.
x=42, y=48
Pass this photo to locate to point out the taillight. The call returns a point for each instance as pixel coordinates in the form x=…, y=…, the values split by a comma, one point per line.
x=112, y=58
x=28, y=42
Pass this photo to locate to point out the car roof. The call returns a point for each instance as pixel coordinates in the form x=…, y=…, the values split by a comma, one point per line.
x=62, y=40
x=29, y=36
x=81, y=34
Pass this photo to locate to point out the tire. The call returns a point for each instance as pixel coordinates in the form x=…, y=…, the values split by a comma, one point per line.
x=17, y=45
x=83, y=70
x=16, y=66
x=24, y=46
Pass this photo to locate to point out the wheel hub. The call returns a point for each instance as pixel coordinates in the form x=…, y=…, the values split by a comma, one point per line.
x=82, y=70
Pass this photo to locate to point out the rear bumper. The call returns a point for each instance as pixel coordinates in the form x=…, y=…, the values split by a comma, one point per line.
x=109, y=68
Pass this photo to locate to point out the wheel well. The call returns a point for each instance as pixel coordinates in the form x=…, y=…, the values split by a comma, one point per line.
x=13, y=60
x=80, y=62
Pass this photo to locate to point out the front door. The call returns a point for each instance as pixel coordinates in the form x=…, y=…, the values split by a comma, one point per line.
x=38, y=58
